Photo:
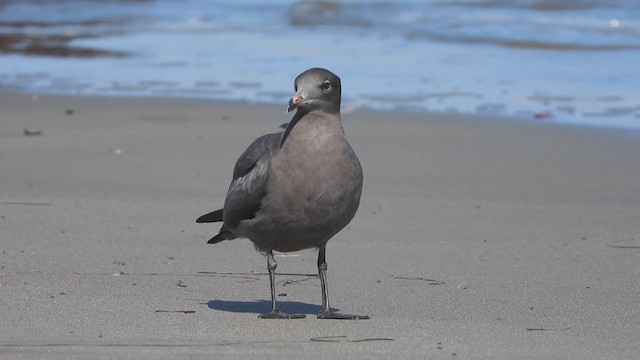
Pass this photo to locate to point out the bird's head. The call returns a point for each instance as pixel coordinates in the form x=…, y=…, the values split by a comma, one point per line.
x=316, y=88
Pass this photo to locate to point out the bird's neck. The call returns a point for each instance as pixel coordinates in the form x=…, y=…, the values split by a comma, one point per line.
x=314, y=122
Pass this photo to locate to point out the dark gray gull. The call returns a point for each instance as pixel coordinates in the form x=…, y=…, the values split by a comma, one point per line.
x=295, y=189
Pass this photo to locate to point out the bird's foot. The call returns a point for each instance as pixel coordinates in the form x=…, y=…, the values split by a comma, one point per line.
x=329, y=314
x=277, y=314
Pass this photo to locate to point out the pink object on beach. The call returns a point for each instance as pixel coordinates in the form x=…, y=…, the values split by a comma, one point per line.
x=542, y=116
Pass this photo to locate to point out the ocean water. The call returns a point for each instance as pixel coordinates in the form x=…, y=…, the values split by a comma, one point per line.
x=573, y=61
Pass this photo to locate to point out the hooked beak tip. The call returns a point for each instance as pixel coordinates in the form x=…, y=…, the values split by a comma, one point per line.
x=291, y=106
x=294, y=102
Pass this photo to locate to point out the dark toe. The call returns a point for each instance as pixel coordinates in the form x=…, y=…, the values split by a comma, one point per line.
x=277, y=314
x=338, y=316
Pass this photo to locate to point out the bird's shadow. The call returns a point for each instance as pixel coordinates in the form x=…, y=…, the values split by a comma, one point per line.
x=263, y=306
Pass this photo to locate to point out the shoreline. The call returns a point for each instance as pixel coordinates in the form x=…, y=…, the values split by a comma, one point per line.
x=348, y=107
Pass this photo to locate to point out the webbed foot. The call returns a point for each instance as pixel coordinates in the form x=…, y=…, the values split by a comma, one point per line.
x=338, y=316
x=277, y=314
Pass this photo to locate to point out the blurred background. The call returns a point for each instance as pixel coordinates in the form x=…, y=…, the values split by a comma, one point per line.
x=571, y=61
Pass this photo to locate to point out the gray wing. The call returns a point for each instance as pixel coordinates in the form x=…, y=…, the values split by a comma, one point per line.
x=249, y=180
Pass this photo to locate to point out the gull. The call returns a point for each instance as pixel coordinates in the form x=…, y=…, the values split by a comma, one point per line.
x=297, y=188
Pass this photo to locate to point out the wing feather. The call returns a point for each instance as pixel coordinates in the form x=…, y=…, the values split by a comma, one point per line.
x=249, y=180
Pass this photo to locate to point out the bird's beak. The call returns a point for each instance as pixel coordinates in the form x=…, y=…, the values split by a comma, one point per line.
x=296, y=101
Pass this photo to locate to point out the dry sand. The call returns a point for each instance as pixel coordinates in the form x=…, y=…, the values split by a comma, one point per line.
x=476, y=238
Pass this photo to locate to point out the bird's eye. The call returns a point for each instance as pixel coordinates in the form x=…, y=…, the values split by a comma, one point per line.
x=326, y=85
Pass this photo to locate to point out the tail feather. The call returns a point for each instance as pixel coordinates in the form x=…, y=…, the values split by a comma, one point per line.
x=224, y=234
x=213, y=216
x=216, y=239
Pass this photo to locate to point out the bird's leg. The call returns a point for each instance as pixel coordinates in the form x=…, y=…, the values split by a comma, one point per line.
x=326, y=312
x=271, y=266
x=275, y=313
x=322, y=271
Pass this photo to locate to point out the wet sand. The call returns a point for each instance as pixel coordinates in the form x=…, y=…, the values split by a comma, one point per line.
x=475, y=238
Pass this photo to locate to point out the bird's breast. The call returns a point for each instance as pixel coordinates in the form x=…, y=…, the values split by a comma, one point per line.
x=321, y=172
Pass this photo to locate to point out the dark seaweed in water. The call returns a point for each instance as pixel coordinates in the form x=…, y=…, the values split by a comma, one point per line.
x=53, y=37
x=327, y=12
x=50, y=45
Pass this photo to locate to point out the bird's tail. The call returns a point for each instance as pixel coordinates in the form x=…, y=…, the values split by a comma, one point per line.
x=224, y=234
x=213, y=216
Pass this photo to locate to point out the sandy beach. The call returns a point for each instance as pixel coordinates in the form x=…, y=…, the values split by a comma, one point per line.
x=475, y=238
